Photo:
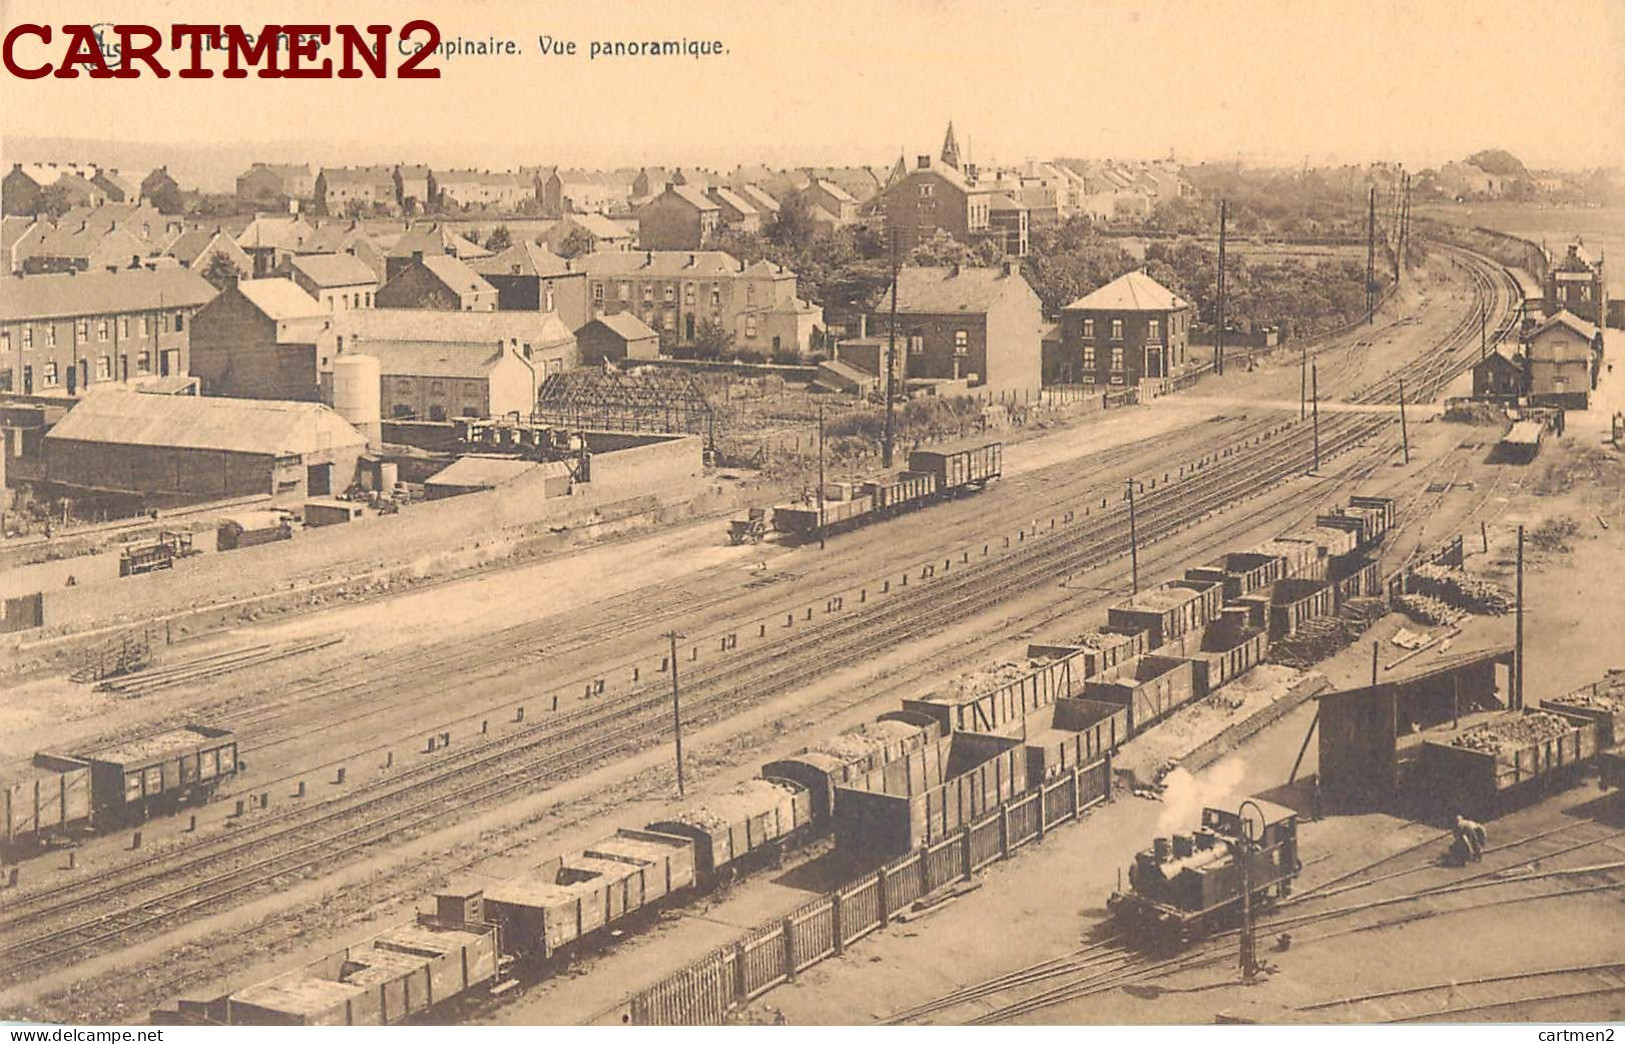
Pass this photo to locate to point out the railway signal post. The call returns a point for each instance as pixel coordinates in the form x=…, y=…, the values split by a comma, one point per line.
x=1133, y=543
x=676, y=710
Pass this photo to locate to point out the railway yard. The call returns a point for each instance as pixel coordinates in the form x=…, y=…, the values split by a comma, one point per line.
x=467, y=789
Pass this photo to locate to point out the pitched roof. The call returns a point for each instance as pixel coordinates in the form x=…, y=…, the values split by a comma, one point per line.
x=937, y=290
x=191, y=244
x=431, y=360
x=95, y=293
x=457, y=276
x=1000, y=201
x=836, y=192
x=599, y=226
x=262, y=426
x=332, y=237
x=733, y=200
x=434, y=238
x=1131, y=292
x=375, y=176
x=1568, y=319
x=659, y=264
x=626, y=326
x=81, y=243
x=525, y=258
x=12, y=228
x=280, y=299
x=275, y=231
x=691, y=195
x=369, y=326
x=486, y=472
x=759, y=197
x=334, y=269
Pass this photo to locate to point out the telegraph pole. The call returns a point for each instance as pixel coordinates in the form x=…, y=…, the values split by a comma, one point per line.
x=891, y=358
x=676, y=710
x=1404, y=433
x=1371, y=257
x=1517, y=656
x=1218, y=326
x=1303, y=384
x=820, y=476
x=1483, y=332
x=1314, y=391
x=1133, y=543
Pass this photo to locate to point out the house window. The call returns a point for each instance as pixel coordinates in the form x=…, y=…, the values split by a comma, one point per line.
x=916, y=345
x=143, y=362
x=925, y=190
x=716, y=295
x=437, y=412
x=368, y=298
x=1153, y=331
x=403, y=387
x=165, y=321
x=547, y=298
x=81, y=330
x=1117, y=360
x=1088, y=329
x=961, y=342
x=625, y=292
x=49, y=376
x=50, y=336
x=5, y=379
x=750, y=293
x=124, y=326
x=1585, y=293
x=750, y=327
x=688, y=294
x=101, y=329
x=598, y=293
x=671, y=293
x=648, y=293
x=146, y=328
x=104, y=368
x=1088, y=358
x=1117, y=329
x=180, y=321
x=400, y=411
x=5, y=339
x=471, y=411
x=437, y=387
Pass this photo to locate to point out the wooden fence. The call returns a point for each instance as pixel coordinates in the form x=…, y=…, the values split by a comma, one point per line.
x=707, y=990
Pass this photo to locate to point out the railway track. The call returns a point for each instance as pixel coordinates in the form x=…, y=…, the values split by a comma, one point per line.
x=149, y=895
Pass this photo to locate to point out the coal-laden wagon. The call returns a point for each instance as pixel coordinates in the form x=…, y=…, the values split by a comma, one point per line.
x=132, y=780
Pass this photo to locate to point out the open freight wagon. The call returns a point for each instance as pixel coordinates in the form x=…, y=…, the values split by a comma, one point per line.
x=1498, y=764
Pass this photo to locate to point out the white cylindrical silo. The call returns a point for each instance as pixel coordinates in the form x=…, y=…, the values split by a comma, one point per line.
x=356, y=392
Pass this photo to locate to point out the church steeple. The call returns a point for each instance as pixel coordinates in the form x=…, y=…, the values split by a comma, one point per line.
x=950, y=148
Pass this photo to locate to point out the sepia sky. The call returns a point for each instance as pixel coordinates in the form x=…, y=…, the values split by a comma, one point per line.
x=856, y=81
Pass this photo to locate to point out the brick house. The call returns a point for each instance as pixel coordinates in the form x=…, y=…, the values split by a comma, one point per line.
x=197, y=248
x=22, y=187
x=438, y=382
x=274, y=182
x=1576, y=285
x=260, y=339
x=411, y=187
x=1132, y=328
x=598, y=231
x=428, y=239
x=60, y=334
x=356, y=191
x=736, y=211
x=529, y=279
x=1565, y=355
x=832, y=198
x=572, y=191
x=981, y=325
x=932, y=197
x=539, y=338
x=1500, y=378
x=678, y=291
x=1009, y=219
x=680, y=218
x=119, y=186
x=270, y=239
x=438, y=281
x=338, y=282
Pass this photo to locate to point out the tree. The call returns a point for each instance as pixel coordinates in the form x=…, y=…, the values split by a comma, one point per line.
x=712, y=340
x=793, y=226
x=355, y=209
x=221, y=271
x=940, y=251
x=499, y=240
x=578, y=242
x=54, y=201
x=987, y=254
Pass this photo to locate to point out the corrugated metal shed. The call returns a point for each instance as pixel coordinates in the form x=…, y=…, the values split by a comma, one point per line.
x=257, y=426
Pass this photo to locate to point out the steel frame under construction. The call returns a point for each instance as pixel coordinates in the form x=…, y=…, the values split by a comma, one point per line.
x=652, y=399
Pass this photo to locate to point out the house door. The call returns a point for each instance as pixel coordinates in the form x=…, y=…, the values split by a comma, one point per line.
x=319, y=480
x=169, y=362
x=688, y=327
x=28, y=380
x=73, y=378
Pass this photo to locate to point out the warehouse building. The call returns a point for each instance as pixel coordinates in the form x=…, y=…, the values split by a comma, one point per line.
x=163, y=450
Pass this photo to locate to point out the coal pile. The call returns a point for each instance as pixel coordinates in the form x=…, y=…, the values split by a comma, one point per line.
x=1505, y=735
x=1427, y=609
x=1460, y=590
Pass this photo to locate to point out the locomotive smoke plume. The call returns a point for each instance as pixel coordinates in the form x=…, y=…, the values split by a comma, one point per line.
x=1184, y=795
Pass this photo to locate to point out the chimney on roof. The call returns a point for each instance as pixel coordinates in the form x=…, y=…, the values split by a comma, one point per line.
x=1009, y=267
x=417, y=256
x=83, y=224
x=135, y=260
x=113, y=269
x=648, y=258
x=691, y=260
x=923, y=163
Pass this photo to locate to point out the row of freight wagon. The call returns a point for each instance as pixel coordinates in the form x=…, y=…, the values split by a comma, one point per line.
x=931, y=476
x=914, y=776
x=62, y=795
